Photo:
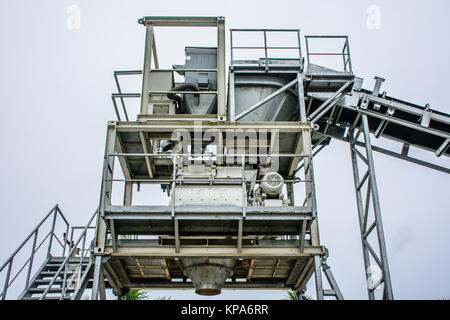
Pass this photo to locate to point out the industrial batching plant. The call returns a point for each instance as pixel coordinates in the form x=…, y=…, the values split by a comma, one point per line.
x=231, y=155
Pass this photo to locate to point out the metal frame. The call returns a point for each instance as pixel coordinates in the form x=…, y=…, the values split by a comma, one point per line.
x=338, y=93
x=113, y=147
x=265, y=46
x=122, y=95
x=367, y=227
x=150, y=53
x=247, y=66
x=365, y=103
x=173, y=214
x=345, y=53
x=111, y=213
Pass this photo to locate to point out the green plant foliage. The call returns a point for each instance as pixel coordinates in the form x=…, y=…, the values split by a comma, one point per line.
x=291, y=296
x=135, y=294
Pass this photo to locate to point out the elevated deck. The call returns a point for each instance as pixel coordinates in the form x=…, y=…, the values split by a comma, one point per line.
x=135, y=138
x=208, y=220
x=262, y=264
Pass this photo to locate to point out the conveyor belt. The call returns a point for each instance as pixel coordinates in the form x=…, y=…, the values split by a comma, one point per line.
x=390, y=118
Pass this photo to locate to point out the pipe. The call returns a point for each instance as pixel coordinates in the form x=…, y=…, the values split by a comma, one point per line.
x=182, y=87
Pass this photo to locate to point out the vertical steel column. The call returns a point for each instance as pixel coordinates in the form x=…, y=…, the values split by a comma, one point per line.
x=221, y=76
x=128, y=193
x=369, y=179
x=309, y=171
x=318, y=277
x=231, y=97
x=244, y=205
x=106, y=188
x=231, y=90
x=319, y=264
x=301, y=98
x=310, y=201
x=176, y=229
x=101, y=285
x=97, y=277
x=149, y=41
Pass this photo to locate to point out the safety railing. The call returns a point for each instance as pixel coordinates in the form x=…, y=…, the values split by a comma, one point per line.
x=267, y=61
x=52, y=217
x=74, y=265
x=121, y=95
x=122, y=112
x=306, y=212
x=344, y=53
x=108, y=178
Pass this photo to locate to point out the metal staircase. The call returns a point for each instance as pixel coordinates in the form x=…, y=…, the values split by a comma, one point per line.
x=65, y=286
x=66, y=268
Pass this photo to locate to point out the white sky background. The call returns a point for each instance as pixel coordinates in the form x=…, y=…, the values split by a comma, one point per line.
x=55, y=87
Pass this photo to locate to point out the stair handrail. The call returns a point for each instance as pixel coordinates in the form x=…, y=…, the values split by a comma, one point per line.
x=79, y=265
x=55, y=211
x=67, y=259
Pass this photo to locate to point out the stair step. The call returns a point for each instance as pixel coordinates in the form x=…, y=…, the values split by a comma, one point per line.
x=75, y=259
x=52, y=290
x=43, y=274
x=47, y=298
x=58, y=265
x=47, y=281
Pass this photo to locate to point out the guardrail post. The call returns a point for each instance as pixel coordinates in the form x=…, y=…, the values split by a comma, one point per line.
x=30, y=266
x=8, y=273
x=65, y=241
x=244, y=188
x=265, y=50
x=52, y=232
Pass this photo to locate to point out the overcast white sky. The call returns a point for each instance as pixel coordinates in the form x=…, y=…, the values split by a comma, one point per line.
x=55, y=86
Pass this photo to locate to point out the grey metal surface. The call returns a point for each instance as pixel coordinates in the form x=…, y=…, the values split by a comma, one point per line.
x=200, y=58
x=278, y=99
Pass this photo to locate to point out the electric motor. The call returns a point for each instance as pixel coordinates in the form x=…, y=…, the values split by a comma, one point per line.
x=272, y=183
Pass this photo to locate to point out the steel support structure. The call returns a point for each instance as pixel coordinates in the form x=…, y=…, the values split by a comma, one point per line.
x=330, y=109
x=98, y=286
x=369, y=225
x=320, y=266
x=319, y=261
x=109, y=245
x=151, y=55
